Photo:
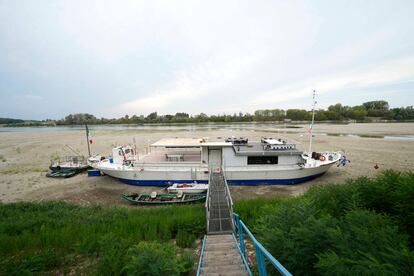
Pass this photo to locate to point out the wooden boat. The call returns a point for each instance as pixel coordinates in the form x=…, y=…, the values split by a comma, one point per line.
x=61, y=174
x=158, y=199
x=187, y=188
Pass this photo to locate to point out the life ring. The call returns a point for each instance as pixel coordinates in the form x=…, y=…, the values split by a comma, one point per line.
x=322, y=158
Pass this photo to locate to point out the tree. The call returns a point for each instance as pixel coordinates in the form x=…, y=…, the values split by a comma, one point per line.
x=152, y=116
x=297, y=114
x=376, y=105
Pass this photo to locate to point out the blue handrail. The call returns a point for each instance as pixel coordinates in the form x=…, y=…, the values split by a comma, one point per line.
x=261, y=253
x=201, y=255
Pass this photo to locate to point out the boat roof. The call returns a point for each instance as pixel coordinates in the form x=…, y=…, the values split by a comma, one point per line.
x=217, y=144
x=179, y=142
x=188, y=143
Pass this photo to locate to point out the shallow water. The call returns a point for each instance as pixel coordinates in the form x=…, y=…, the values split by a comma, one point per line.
x=231, y=127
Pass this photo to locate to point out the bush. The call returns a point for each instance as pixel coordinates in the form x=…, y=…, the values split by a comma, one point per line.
x=366, y=243
x=362, y=227
x=30, y=263
x=185, y=239
x=154, y=258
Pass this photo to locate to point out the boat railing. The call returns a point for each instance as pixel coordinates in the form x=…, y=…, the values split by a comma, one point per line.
x=69, y=159
x=208, y=201
x=262, y=255
x=227, y=193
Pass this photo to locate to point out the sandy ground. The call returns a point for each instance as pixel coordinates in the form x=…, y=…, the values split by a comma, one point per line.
x=25, y=157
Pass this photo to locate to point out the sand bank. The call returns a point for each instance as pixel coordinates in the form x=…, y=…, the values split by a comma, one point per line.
x=25, y=157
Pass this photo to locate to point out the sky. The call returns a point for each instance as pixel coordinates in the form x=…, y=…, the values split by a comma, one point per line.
x=112, y=58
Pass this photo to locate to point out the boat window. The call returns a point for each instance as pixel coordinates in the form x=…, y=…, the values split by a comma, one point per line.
x=127, y=151
x=262, y=160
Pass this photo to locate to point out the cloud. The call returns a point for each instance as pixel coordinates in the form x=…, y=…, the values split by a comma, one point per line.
x=136, y=57
x=389, y=72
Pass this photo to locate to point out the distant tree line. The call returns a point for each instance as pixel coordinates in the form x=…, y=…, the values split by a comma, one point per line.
x=10, y=121
x=368, y=111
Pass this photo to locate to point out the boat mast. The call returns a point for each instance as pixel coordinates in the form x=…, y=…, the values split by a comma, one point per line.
x=87, y=139
x=313, y=119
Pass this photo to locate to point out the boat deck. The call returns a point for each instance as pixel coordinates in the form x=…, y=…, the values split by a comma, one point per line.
x=172, y=157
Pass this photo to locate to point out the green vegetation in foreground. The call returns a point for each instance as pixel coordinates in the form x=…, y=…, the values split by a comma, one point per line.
x=363, y=227
x=57, y=237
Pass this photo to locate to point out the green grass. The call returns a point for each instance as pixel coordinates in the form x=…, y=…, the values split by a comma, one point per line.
x=41, y=237
x=363, y=227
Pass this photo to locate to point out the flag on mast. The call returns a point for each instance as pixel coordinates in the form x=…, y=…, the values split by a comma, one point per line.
x=88, y=135
x=88, y=141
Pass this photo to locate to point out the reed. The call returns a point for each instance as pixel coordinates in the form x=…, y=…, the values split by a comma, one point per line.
x=37, y=237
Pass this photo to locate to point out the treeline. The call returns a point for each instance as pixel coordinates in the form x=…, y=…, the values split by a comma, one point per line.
x=10, y=121
x=368, y=111
x=338, y=112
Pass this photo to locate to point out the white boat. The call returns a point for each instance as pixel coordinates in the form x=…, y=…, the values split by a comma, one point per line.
x=244, y=162
x=185, y=160
x=188, y=188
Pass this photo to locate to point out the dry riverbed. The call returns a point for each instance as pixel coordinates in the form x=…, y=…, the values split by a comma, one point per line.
x=25, y=157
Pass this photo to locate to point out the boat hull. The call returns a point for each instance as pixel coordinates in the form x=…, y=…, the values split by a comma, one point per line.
x=234, y=176
x=55, y=169
x=172, y=199
x=196, y=189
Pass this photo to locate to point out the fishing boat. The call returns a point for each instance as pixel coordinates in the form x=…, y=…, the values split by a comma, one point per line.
x=69, y=164
x=159, y=199
x=265, y=161
x=187, y=188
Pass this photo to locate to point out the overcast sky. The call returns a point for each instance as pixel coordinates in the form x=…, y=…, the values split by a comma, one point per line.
x=112, y=58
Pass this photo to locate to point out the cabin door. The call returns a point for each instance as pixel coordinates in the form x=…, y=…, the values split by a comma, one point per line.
x=214, y=159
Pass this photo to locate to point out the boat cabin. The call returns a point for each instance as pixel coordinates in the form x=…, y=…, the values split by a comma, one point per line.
x=233, y=152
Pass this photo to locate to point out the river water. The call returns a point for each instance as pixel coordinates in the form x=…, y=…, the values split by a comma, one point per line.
x=253, y=127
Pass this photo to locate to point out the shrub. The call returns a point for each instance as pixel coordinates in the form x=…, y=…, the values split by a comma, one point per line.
x=366, y=243
x=361, y=227
x=154, y=258
x=34, y=262
x=185, y=239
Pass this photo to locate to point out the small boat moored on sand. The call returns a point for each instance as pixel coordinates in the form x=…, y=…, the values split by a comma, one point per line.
x=160, y=199
x=188, y=188
x=61, y=174
x=69, y=163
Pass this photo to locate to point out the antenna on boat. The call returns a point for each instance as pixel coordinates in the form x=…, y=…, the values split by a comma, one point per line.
x=75, y=151
x=87, y=139
x=135, y=146
x=313, y=119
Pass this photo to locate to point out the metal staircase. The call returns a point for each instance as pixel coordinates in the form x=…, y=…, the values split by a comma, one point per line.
x=219, y=206
x=223, y=251
x=220, y=254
